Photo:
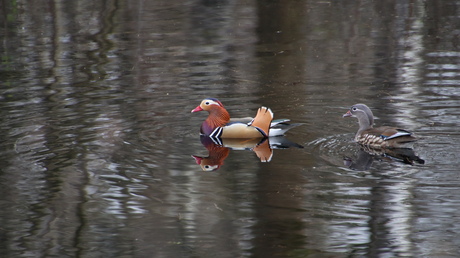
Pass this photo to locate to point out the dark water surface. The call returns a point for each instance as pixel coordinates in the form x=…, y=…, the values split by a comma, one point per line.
x=96, y=134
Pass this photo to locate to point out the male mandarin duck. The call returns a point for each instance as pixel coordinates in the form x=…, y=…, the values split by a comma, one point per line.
x=379, y=137
x=219, y=125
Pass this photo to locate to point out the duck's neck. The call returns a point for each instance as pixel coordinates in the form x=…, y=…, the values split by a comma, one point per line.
x=217, y=118
x=364, y=124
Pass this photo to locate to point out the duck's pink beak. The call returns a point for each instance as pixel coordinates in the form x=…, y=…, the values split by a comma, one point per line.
x=348, y=114
x=198, y=108
x=197, y=159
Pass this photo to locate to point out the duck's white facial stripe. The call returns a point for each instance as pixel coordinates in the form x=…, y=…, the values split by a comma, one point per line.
x=210, y=167
x=208, y=102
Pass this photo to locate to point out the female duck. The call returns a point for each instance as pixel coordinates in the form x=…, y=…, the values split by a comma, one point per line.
x=379, y=137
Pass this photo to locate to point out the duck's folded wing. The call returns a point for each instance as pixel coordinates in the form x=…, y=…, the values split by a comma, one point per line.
x=388, y=133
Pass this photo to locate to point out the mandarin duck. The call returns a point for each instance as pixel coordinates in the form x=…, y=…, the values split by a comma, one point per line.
x=219, y=125
x=379, y=137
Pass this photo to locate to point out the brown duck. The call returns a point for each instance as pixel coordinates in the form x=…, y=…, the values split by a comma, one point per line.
x=378, y=137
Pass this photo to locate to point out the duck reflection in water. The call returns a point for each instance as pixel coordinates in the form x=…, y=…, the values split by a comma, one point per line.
x=366, y=157
x=219, y=149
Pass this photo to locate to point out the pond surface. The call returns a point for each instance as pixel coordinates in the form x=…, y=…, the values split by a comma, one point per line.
x=97, y=138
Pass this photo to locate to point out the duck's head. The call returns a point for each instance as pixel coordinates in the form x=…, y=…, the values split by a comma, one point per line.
x=208, y=104
x=363, y=113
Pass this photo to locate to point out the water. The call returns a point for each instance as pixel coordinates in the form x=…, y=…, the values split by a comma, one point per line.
x=97, y=138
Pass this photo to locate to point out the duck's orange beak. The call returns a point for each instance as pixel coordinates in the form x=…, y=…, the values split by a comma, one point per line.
x=198, y=108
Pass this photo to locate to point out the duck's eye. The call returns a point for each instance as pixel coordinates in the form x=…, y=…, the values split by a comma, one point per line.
x=206, y=166
x=206, y=103
x=354, y=108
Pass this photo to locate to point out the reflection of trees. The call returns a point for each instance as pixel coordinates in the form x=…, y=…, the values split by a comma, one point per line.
x=62, y=129
x=78, y=91
x=75, y=108
x=328, y=52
